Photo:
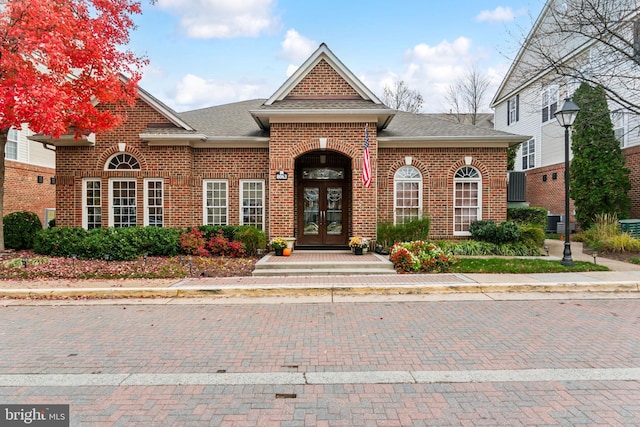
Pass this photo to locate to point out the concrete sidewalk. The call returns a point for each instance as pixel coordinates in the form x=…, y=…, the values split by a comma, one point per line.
x=623, y=278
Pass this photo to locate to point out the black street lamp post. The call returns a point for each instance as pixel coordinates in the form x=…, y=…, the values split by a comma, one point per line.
x=566, y=116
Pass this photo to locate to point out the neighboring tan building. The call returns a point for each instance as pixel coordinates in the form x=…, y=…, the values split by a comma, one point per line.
x=29, y=176
x=291, y=165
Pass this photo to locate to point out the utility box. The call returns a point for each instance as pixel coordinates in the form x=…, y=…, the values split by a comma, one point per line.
x=631, y=226
x=552, y=223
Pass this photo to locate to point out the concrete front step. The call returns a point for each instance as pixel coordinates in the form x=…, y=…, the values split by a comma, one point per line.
x=323, y=264
x=321, y=271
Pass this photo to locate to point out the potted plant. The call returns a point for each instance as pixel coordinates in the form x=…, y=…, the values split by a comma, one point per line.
x=357, y=244
x=278, y=244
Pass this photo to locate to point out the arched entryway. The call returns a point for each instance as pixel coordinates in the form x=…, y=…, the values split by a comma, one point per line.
x=323, y=199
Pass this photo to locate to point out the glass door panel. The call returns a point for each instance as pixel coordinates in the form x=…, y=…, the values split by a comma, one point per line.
x=311, y=219
x=334, y=210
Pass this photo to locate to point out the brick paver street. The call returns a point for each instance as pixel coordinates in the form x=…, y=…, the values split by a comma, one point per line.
x=555, y=362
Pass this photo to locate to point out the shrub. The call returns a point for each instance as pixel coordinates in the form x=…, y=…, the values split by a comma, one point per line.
x=488, y=231
x=420, y=256
x=193, y=242
x=528, y=215
x=59, y=241
x=20, y=229
x=477, y=248
x=389, y=233
x=157, y=241
x=252, y=238
x=532, y=236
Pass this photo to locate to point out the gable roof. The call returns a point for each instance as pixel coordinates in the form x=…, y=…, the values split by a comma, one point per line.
x=323, y=53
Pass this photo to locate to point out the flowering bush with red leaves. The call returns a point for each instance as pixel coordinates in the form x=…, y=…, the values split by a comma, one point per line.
x=193, y=243
x=220, y=245
x=420, y=256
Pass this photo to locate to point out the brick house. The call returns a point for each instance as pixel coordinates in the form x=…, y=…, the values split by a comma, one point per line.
x=29, y=176
x=290, y=165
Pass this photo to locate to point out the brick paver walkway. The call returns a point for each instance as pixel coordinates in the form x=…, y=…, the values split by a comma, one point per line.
x=556, y=362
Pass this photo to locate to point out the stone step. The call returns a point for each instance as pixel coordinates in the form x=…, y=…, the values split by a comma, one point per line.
x=322, y=264
x=322, y=272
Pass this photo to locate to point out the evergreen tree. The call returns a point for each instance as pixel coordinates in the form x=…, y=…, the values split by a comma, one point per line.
x=599, y=179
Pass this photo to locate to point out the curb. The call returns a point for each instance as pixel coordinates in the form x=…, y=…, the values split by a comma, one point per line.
x=310, y=290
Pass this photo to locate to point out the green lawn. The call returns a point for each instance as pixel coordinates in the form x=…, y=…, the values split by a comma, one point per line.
x=520, y=266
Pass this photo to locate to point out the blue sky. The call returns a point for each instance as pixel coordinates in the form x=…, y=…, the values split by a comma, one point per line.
x=211, y=52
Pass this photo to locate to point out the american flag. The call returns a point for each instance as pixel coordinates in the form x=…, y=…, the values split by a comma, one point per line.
x=366, y=162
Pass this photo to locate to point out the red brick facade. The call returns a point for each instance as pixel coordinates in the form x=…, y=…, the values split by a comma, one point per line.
x=293, y=136
x=23, y=192
x=545, y=188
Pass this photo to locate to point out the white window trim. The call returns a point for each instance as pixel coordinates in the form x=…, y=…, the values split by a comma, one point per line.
x=479, y=206
x=226, y=200
x=85, y=216
x=111, y=207
x=512, y=106
x=146, y=205
x=395, y=198
x=548, y=90
x=13, y=136
x=264, y=211
x=529, y=144
x=619, y=119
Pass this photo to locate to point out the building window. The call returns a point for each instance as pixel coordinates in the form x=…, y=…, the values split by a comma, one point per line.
x=154, y=202
x=408, y=194
x=549, y=102
x=513, y=110
x=619, y=129
x=122, y=198
x=252, y=203
x=11, y=149
x=215, y=198
x=91, y=204
x=467, y=199
x=123, y=161
x=528, y=154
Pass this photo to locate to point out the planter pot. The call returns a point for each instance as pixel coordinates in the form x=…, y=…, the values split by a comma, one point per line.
x=279, y=252
x=357, y=251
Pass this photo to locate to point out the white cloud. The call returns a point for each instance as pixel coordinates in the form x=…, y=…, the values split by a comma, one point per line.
x=432, y=69
x=297, y=48
x=223, y=18
x=499, y=14
x=193, y=92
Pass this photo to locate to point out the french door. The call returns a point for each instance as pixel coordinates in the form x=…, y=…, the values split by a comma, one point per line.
x=322, y=213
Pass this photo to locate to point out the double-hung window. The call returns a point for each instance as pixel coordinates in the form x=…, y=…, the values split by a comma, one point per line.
x=467, y=199
x=528, y=154
x=11, y=149
x=154, y=202
x=123, y=201
x=549, y=102
x=513, y=110
x=252, y=203
x=91, y=203
x=408, y=194
x=216, y=202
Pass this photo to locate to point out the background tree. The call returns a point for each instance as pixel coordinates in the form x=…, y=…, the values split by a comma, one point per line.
x=467, y=94
x=592, y=41
x=400, y=97
x=60, y=62
x=599, y=179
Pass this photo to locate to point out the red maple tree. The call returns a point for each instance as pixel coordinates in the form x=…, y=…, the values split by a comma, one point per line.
x=60, y=61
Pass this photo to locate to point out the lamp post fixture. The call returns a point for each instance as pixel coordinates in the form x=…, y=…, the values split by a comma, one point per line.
x=566, y=116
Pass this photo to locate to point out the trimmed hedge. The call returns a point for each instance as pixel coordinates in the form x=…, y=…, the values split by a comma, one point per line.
x=129, y=243
x=20, y=229
x=489, y=231
x=528, y=215
x=389, y=233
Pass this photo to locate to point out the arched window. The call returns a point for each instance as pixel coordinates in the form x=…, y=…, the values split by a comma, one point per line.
x=467, y=199
x=123, y=161
x=407, y=194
